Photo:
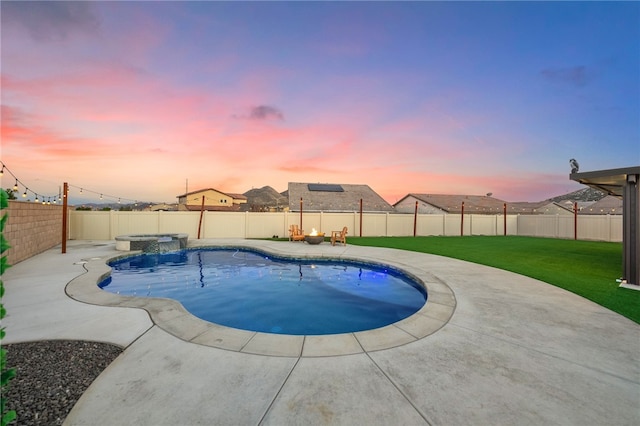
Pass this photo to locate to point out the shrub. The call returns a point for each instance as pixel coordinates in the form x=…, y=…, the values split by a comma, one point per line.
x=6, y=374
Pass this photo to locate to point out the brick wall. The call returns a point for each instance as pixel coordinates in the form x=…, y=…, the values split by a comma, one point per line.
x=31, y=228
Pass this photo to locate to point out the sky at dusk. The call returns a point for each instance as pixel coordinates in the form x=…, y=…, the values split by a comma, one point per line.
x=131, y=99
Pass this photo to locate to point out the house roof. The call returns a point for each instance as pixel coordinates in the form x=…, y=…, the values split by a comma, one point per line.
x=230, y=194
x=449, y=203
x=607, y=205
x=335, y=197
x=537, y=207
x=231, y=208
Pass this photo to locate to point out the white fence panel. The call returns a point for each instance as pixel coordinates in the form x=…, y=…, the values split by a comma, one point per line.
x=430, y=224
x=123, y=223
x=224, y=225
x=600, y=228
x=180, y=223
x=400, y=225
x=538, y=226
x=337, y=221
x=616, y=228
x=566, y=227
x=309, y=221
x=482, y=225
x=266, y=225
x=373, y=225
x=97, y=225
x=87, y=225
x=512, y=225
x=452, y=225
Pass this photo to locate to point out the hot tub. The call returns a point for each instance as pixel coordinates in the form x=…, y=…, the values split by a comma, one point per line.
x=152, y=243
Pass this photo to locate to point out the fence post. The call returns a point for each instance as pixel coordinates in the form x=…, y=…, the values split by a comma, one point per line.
x=201, y=213
x=462, y=220
x=64, y=217
x=361, y=217
x=504, y=209
x=415, y=220
x=575, y=220
x=386, y=224
x=246, y=224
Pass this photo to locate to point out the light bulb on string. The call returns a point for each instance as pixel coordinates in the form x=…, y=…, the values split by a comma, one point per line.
x=101, y=196
x=36, y=200
x=15, y=187
x=2, y=171
x=24, y=194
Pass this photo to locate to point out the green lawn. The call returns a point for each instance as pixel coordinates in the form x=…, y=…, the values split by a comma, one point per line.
x=587, y=268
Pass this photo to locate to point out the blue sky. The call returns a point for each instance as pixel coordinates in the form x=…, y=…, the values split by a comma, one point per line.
x=133, y=98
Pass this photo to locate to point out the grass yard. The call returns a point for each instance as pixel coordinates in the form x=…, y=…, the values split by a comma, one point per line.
x=587, y=268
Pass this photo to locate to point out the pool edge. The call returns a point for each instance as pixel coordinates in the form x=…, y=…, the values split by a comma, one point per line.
x=173, y=318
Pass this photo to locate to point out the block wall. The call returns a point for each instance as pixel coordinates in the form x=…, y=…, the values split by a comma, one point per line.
x=31, y=228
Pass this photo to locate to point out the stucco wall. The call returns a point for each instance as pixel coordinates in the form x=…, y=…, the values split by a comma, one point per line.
x=32, y=228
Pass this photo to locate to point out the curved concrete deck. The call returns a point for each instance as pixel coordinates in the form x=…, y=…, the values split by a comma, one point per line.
x=515, y=351
x=171, y=316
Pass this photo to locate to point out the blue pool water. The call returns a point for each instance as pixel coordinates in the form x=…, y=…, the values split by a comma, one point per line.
x=253, y=291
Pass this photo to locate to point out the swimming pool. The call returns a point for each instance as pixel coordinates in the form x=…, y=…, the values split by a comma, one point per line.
x=253, y=291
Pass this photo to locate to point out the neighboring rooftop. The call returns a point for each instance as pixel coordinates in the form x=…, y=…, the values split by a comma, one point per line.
x=540, y=207
x=450, y=203
x=607, y=205
x=212, y=200
x=335, y=198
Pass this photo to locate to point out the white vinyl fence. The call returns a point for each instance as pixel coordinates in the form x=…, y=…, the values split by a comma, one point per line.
x=97, y=225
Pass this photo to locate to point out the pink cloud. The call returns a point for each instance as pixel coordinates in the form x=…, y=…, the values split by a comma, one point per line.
x=112, y=123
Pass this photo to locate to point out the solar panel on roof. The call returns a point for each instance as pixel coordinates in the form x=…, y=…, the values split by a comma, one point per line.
x=325, y=187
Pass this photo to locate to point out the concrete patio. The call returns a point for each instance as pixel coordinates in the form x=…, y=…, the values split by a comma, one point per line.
x=490, y=347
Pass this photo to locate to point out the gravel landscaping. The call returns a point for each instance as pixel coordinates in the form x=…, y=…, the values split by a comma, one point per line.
x=51, y=377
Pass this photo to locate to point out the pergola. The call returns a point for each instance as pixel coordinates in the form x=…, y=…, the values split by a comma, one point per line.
x=622, y=183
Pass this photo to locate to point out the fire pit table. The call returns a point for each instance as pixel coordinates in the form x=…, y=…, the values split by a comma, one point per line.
x=314, y=239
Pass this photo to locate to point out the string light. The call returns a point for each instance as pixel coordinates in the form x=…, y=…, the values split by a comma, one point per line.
x=18, y=182
x=47, y=199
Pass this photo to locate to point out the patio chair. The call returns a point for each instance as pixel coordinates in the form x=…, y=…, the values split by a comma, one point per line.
x=339, y=236
x=295, y=233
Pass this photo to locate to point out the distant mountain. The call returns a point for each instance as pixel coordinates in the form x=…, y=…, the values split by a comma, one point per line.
x=586, y=194
x=265, y=198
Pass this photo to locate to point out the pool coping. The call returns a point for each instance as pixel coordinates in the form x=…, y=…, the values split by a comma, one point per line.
x=173, y=318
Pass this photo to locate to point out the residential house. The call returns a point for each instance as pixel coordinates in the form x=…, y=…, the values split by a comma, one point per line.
x=214, y=200
x=329, y=197
x=445, y=204
x=607, y=205
x=474, y=204
x=540, y=207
